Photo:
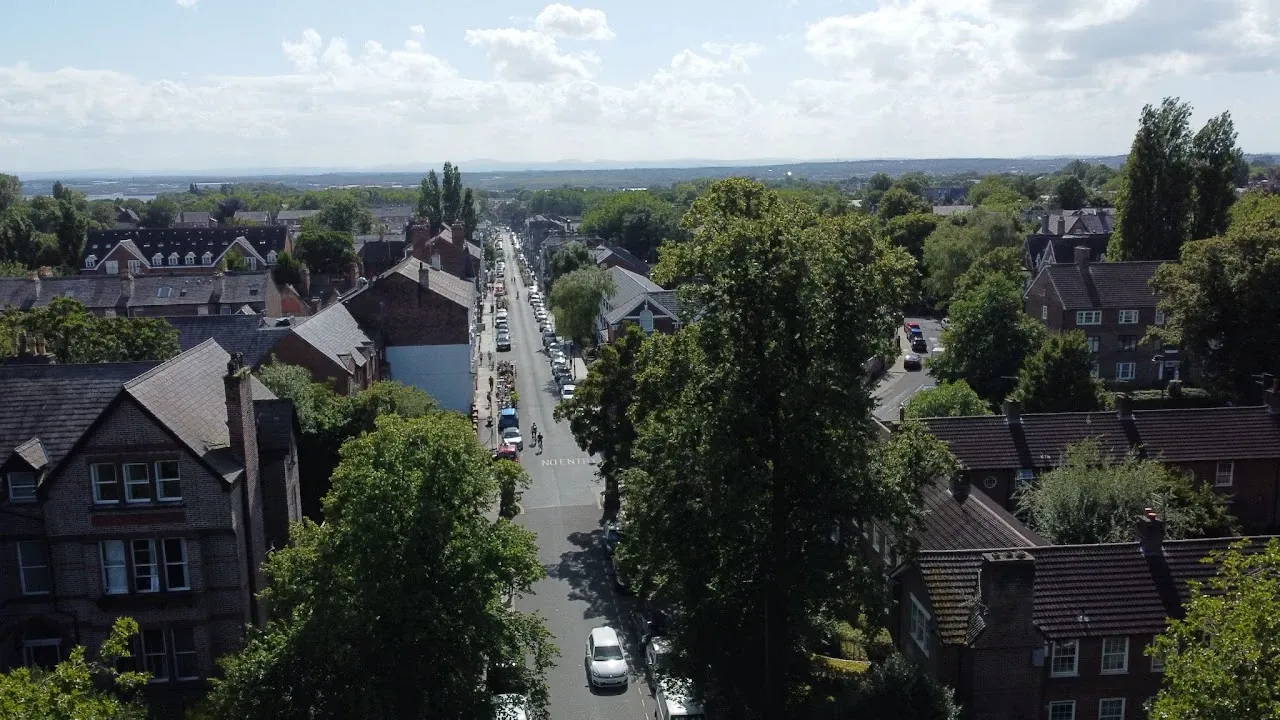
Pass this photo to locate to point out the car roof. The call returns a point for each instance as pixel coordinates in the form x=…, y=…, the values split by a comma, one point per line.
x=510, y=427
x=604, y=636
x=508, y=411
x=570, y=386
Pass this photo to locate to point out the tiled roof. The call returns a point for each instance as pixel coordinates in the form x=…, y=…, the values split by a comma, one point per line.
x=1080, y=590
x=399, y=211
x=1064, y=247
x=244, y=334
x=55, y=404
x=97, y=292
x=603, y=251
x=971, y=523
x=450, y=287
x=336, y=334
x=1181, y=435
x=294, y=214
x=667, y=300
x=1104, y=285
x=628, y=287
x=382, y=250
x=198, y=241
x=258, y=216
x=191, y=216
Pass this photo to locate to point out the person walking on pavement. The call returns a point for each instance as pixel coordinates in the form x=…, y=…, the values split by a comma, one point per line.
x=539, y=443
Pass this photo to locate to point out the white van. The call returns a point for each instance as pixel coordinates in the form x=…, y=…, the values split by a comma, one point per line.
x=674, y=701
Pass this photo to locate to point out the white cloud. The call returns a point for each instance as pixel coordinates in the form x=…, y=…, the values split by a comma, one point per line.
x=417, y=31
x=528, y=55
x=716, y=59
x=566, y=21
x=187, y=3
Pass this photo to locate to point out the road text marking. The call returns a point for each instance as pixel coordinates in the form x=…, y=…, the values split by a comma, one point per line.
x=566, y=461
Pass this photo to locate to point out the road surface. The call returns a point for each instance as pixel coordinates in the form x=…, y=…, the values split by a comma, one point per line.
x=898, y=385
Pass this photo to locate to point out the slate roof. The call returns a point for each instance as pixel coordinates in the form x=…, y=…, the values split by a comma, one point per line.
x=973, y=522
x=1119, y=285
x=193, y=216
x=1176, y=436
x=629, y=289
x=244, y=334
x=228, y=288
x=1064, y=247
x=475, y=250
x=94, y=291
x=258, y=216
x=336, y=334
x=165, y=241
x=55, y=404
x=380, y=251
x=398, y=211
x=1079, y=590
x=450, y=287
x=294, y=215
x=603, y=252
x=188, y=396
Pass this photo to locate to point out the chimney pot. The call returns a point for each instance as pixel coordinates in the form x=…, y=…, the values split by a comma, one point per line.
x=1061, y=225
x=1124, y=407
x=1150, y=533
x=1082, y=257
x=1272, y=399
x=1013, y=411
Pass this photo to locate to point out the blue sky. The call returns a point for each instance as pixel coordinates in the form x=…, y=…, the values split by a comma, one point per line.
x=207, y=84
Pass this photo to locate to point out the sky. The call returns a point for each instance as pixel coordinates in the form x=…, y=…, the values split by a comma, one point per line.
x=188, y=85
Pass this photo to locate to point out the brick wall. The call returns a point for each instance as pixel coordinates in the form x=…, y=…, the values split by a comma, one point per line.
x=400, y=311
x=296, y=351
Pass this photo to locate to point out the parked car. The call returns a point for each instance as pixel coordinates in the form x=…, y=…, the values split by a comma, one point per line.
x=566, y=391
x=506, y=451
x=674, y=698
x=511, y=706
x=648, y=624
x=612, y=536
x=918, y=344
x=504, y=344
x=655, y=656
x=605, y=662
x=511, y=436
x=910, y=326
x=911, y=361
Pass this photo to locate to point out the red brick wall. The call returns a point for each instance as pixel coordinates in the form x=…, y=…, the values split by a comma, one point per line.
x=401, y=312
x=295, y=351
x=1252, y=494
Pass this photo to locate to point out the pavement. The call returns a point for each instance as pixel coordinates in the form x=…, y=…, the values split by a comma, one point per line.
x=562, y=507
x=898, y=384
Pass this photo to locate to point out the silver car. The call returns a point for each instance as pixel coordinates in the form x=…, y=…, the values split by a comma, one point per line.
x=605, y=661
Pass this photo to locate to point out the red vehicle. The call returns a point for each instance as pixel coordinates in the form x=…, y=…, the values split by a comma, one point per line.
x=911, y=327
x=507, y=452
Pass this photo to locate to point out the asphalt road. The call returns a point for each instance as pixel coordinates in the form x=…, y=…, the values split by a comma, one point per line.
x=898, y=385
x=562, y=508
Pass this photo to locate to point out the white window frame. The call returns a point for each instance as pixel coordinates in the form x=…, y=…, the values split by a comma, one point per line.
x=135, y=266
x=1157, y=663
x=189, y=258
x=1126, y=371
x=98, y=484
x=40, y=563
x=206, y=258
x=875, y=538
x=28, y=644
x=183, y=561
x=1129, y=317
x=1159, y=317
x=1128, y=343
x=130, y=483
x=162, y=480
x=1114, y=715
x=121, y=568
x=1056, y=704
x=918, y=624
x=90, y=262
x=1224, y=479
x=1044, y=312
x=1023, y=477
x=193, y=652
x=23, y=491
x=145, y=571
x=1111, y=653
x=157, y=259
x=151, y=652
x=271, y=257
x=1088, y=317
x=173, y=258
x=646, y=314
x=1075, y=658
x=1093, y=342
x=113, y=267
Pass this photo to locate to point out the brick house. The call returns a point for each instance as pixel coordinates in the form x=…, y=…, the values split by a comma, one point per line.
x=379, y=253
x=1114, y=306
x=195, y=219
x=1060, y=233
x=180, y=251
x=447, y=250
x=636, y=299
x=395, y=219
x=610, y=256
x=423, y=318
x=149, y=295
x=1049, y=632
x=141, y=490
x=293, y=219
x=258, y=217
x=1234, y=450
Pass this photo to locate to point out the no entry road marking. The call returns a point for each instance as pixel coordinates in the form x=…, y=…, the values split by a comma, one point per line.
x=566, y=461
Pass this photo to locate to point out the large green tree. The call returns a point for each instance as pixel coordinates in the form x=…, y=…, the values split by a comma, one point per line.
x=77, y=688
x=1214, y=162
x=910, y=231
x=755, y=443
x=429, y=202
x=161, y=212
x=10, y=191
x=1222, y=657
x=326, y=251
x=899, y=688
x=451, y=194
x=877, y=186
x=1092, y=497
x=948, y=399
x=73, y=335
x=570, y=257
x=576, y=299
x=1221, y=300
x=988, y=339
x=1070, y=193
x=407, y=581
x=599, y=414
x=898, y=202
x=17, y=237
x=958, y=242
x=470, y=215
x=1059, y=376
x=347, y=215
x=639, y=221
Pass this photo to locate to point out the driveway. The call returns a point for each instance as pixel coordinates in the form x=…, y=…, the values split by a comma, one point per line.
x=898, y=385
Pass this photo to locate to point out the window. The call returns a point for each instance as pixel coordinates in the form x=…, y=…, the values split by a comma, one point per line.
x=224, y=310
x=1024, y=476
x=1128, y=317
x=1094, y=370
x=184, y=654
x=106, y=483
x=1159, y=317
x=1044, y=312
x=646, y=320
x=45, y=652
x=919, y=627
x=155, y=659
x=253, y=262
x=175, y=564
x=173, y=258
x=113, y=267
x=157, y=259
x=1088, y=317
x=1157, y=663
x=1062, y=710
x=207, y=258
x=168, y=486
x=33, y=566
x=1125, y=370
x=1115, y=655
x=90, y=261
x=1092, y=341
x=164, y=292
x=146, y=577
x=190, y=258
x=271, y=257
x=1065, y=658
x=22, y=487
x=135, y=266
x=1128, y=343
x=137, y=483
x=875, y=538
x=114, y=571
x=435, y=261
x=1226, y=474
x=1111, y=709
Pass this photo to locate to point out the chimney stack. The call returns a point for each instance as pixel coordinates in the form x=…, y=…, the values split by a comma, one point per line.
x=1062, y=225
x=960, y=488
x=459, y=233
x=34, y=277
x=1006, y=583
x=1082, y=257
x=1124, y=406
x=239, y=400
x=1013, y=412
x=126, y=285
x=305, y=290
x=1271, y=396
x=1150, y=533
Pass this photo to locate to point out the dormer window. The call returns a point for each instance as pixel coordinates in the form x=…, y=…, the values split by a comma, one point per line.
x=271, y=257
x=190, y=258
x=157, y=259
x=206, y=258
x=22, y=487
x=173, y=258
x=90, y=261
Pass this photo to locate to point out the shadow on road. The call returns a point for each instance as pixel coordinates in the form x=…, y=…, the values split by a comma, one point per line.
x=586, y=569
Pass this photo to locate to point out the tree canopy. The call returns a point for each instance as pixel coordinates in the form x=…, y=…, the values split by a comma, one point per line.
x=1092, y=497
x=1059, y=376
x=407, y=580
x=74, y=335
x=638, y=221
x=429, y=202
x=1222, y=657
x=958, y=242
x=569, y=258
x=1070, y=193
x=988, y=339
x=898, y=202
x=948, y=399
x=754, y=441
x=326, y=251
x=576, y=299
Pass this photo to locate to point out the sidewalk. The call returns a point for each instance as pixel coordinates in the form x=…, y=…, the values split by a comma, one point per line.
x=484, y=346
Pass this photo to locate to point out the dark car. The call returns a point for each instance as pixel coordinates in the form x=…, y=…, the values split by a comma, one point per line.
x=612, y=536
x=504, y=344
x=646, y=624
x=919, y=345
x=912, y=362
